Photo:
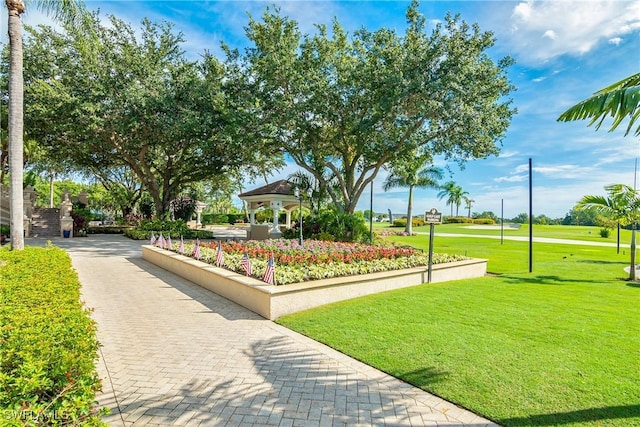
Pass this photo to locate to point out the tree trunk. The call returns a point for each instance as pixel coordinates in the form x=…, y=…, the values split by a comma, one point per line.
x=51, y=175
x=409, y=227
x=16, y=123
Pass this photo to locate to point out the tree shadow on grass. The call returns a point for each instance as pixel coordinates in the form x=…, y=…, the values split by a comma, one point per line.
x=422, y=377
x=552, y=280
x=601, y=262
x=630, y=413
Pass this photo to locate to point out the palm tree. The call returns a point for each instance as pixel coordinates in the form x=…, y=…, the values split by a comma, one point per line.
x=65, y=10
x=448, y=191
x=454, y=194
x=413, y=174
x=620, y=100
x=468, y=203
x=623, y=205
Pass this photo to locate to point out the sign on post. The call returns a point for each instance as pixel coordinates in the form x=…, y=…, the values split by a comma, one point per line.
x=431, y=217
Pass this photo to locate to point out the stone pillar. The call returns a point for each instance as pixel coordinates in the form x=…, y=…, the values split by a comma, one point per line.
x=66, y=225
x=275, y=233
x=199, y=208
x=288, y=218
x=252, y=216
x=83, y=198
x=66, y=222
x=66, y=206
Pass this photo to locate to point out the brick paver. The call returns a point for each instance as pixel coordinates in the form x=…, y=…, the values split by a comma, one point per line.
x=175, y=354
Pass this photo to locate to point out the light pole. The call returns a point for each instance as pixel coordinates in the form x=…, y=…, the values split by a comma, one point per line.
x=298, y=195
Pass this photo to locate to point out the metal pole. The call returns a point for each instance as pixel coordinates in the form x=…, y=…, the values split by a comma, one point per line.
x=530, y=218
x=431, y=234
x=371, y=216
x=300, y=221
x=501, y=221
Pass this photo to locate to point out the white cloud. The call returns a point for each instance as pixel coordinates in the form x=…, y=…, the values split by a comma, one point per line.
x=615, y=41
x=541, y=30
x=511, y=178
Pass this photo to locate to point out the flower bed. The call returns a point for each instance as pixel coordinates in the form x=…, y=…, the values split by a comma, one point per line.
x=272, y=301
x=316, y=260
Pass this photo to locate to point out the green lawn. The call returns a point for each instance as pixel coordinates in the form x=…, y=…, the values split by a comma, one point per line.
x=573, y=232
x=559, y=346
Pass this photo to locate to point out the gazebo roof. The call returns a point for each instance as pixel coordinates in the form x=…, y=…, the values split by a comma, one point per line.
x=279, y=192
x=282, y=187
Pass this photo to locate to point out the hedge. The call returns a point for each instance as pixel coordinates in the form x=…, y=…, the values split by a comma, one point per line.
x=173, y=228
x=48, y=344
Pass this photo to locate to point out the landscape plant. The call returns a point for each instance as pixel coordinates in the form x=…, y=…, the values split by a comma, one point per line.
x=622, y=205
x=316, y=260
x=343, y=105
x=48, y=343
x=68, y=11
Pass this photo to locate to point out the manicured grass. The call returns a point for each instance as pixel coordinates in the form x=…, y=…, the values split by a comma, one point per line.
x=572, y=232
x=559, y=346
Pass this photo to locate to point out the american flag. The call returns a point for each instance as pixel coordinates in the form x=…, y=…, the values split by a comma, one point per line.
x=219, y=256
x=181, y=246
x=246, y=264
x=169, y=244
x=196, y=250
x=270, y=272
x=160, y=241
x=152, y=241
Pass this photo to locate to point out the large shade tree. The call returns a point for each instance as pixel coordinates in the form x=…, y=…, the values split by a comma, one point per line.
x=342, y=106
x=413, y=172
x=622, y=204
x=66, y=11
x=131, y=99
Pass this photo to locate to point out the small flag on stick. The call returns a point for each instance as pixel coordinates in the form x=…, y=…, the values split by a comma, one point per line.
x=246, y=264
x=152, y=241
x=169, y=244
x=196, y=250
x=160, y=241
x=270, y=272
x=219, y=256
x=181, y=246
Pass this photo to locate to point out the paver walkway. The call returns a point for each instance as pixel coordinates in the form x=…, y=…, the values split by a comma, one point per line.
x=176, y=354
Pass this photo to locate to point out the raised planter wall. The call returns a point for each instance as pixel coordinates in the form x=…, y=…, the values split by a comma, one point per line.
x=272, y=302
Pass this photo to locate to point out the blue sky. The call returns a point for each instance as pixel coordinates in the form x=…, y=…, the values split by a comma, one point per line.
x=565, y=50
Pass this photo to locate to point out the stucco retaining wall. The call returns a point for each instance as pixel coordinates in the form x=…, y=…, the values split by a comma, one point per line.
x=272, y=302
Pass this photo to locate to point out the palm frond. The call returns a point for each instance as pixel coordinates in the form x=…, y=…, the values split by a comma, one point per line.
x=619, y=101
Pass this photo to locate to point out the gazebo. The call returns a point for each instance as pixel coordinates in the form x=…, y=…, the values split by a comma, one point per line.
x=278, y=196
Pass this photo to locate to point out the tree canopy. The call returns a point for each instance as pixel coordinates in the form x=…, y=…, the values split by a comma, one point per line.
x=344, y=106
x=123, y=99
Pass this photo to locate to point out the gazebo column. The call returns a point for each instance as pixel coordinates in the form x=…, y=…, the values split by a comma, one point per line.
x=252, y=216
x=288, y=211
x=276, y=205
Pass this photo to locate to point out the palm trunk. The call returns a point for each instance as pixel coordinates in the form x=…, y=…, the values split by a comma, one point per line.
x=409, y=227
x=16, y=123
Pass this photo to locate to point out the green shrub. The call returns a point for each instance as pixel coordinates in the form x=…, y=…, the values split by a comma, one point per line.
x=173, y=228
x=484, y=221
x=605, y=232
x=47, y=342
x=457, y=220
x=399, y=223
x=183, y=208
x=402, y=222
